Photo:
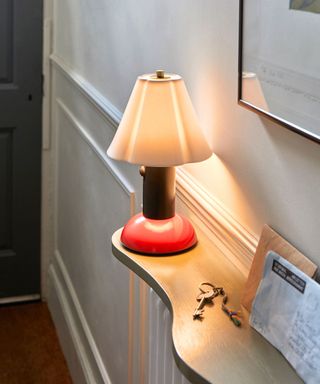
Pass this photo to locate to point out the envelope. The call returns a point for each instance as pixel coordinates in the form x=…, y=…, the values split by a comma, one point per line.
x=286, y=311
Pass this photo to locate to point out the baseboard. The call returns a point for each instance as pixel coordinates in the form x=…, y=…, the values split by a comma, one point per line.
x=20, y=299
x=85, y=362
x=237, y=242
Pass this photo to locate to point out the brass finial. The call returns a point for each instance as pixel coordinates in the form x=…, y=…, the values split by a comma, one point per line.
x=160, y=74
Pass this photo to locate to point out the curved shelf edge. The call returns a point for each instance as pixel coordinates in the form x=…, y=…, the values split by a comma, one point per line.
x=212, y=350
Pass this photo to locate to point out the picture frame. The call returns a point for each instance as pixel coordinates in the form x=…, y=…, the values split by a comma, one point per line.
x=263, y=78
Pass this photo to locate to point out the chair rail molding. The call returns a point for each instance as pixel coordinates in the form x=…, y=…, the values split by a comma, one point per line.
x=234, y=240
x=232, y=237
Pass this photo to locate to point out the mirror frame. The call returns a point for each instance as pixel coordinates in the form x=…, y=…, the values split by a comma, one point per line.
x=276, y=119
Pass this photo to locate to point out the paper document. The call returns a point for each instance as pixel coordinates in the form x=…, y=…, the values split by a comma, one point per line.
x=286, y=311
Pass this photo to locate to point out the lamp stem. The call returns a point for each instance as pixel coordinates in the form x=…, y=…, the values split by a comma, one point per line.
x=158, y=192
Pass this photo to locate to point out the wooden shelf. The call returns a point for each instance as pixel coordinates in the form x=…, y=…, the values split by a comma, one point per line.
x=212, y=350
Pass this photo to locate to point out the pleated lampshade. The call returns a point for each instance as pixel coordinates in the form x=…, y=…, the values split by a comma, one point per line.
x=159, y=127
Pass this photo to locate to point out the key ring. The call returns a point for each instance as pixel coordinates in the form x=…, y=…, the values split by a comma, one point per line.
x=218, y=290
x=233, y=315
x=205, y=283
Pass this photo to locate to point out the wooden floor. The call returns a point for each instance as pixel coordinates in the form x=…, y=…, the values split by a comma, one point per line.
x=29, y=348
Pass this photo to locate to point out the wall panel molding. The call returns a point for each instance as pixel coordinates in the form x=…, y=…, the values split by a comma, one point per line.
x=87, y=137
x=89, y=357
x=107, y=109
x=232, y=237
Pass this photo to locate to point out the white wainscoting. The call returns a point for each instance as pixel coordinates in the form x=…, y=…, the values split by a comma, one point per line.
x=80, y=299
x=85, y=218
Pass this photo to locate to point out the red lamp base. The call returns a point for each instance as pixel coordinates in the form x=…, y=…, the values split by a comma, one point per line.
x=158, y=237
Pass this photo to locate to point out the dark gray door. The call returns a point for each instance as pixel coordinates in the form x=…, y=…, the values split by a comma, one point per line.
x=20, y=146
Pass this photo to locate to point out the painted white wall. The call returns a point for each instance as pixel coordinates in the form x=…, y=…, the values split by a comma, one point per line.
x=260, y=172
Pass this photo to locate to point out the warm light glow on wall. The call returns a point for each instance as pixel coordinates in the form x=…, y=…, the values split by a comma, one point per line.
x=225, y=187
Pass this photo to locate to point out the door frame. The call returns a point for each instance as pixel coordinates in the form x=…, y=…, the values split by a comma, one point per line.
x=47, y=243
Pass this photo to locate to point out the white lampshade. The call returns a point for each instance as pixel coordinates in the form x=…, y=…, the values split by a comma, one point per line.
x=159, y=127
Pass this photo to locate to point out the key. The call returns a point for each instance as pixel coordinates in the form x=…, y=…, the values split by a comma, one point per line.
x=203, y=298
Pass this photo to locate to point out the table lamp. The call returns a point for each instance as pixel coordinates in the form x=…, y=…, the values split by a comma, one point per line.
x=158, y=131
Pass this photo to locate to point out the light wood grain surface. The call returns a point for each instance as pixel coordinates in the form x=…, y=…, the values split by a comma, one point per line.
x=272, y=241
x=212, y=350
